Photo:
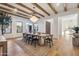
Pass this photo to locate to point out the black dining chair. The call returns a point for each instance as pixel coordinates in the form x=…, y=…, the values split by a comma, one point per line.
x=24, y=37
x=29, y=38
x=35, y=40
x=49, y=40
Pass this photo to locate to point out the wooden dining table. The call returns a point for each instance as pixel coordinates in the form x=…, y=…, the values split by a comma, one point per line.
x=41, y=39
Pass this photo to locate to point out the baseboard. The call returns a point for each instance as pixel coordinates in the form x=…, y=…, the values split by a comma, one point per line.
x=14, y=37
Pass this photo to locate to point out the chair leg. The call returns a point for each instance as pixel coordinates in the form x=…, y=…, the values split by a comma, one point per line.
x=28, y=41
x=35, y=44
x=31, y=42
x=46, y=42
x=50, y=45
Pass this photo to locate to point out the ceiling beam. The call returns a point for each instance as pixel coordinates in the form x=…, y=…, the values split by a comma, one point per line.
x=65, y=7
x=10, y=12
x=17, y=9
x=53, y=9
x=35, y=4
x=6, y=4
x=78, y=5
x=20, y=4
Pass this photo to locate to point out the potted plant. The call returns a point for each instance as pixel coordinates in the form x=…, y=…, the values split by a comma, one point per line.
x=5, y=20
x=76, y=29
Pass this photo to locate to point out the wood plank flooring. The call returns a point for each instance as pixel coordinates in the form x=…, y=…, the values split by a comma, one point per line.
x=61, y=47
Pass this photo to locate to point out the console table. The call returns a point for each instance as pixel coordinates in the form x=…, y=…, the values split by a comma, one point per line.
x=3, y=44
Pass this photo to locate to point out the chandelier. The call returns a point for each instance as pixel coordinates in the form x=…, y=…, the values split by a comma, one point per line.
x=33, y=18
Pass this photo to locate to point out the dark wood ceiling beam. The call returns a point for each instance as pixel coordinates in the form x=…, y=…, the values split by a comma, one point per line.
x=18, y=9
x=23, y=14
x=20, y=4
x=78, y=5
x=53, y=9
x=65, y=7
x=14, y=14
x=9, y=12
x=15, y=8
x=35, y=4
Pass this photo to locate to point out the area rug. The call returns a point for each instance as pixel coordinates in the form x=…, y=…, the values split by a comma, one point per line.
x=31, y=50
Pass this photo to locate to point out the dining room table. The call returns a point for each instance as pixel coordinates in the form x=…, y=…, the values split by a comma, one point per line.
x=41, y=38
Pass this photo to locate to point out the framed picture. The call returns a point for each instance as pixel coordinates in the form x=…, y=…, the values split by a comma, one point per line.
x=19, y=26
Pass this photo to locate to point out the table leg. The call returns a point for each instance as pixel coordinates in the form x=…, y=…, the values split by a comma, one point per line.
x=5, y=49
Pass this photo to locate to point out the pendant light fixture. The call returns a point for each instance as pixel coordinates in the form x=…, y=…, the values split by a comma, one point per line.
x=33, y=17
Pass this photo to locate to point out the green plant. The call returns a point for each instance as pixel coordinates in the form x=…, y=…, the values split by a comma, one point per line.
x=5, y=19
x=76, y=29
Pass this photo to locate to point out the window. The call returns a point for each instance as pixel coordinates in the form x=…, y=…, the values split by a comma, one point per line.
x=19, y=26
x=35, y=28
x=8, y=29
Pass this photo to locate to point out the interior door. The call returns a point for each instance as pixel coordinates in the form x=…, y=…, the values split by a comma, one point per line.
x=48, y=27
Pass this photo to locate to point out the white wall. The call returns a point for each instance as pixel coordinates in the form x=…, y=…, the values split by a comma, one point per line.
x=54, y=25
x=67, y=21
x=41, y=25
x=56, y=22
x=14, y=28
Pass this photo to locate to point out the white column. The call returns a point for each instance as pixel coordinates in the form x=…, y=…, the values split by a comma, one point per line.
x=59, y=27
x=78, y=19
x=55, y=27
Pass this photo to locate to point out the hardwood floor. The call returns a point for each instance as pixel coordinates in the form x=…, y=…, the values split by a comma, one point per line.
x=14, y=49
x=64, y=47
x=61, y=47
